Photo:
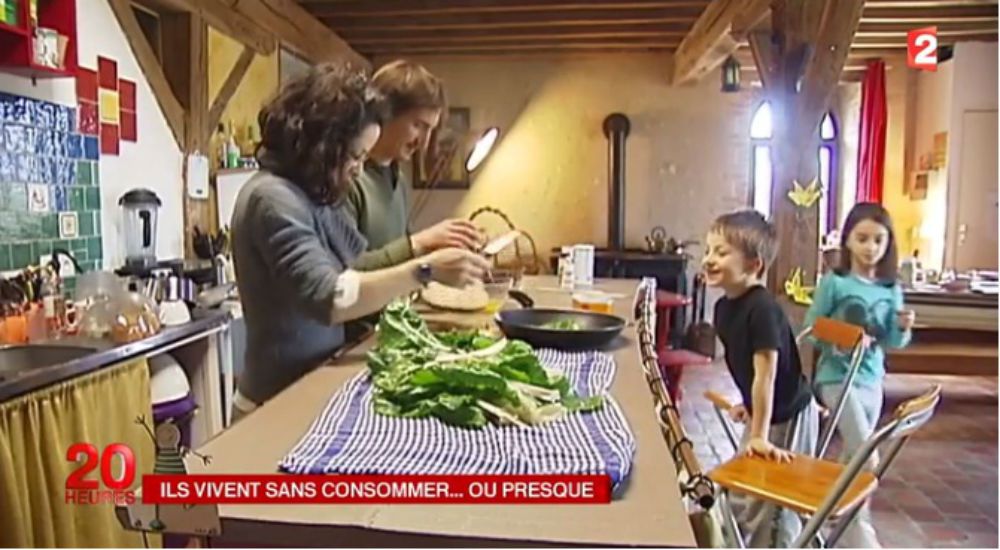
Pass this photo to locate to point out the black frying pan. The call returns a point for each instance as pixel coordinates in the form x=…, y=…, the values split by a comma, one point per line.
x=597, y=330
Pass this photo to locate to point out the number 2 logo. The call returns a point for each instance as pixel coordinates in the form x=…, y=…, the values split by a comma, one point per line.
x=76, y=479
x=921, y=49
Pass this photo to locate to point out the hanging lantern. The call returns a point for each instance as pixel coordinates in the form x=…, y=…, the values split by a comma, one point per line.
x=731, y=75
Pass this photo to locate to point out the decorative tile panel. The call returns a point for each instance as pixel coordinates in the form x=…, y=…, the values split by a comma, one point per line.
x=48, y=172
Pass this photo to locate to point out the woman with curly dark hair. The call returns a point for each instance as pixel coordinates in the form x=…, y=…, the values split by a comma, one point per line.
x=294, y=244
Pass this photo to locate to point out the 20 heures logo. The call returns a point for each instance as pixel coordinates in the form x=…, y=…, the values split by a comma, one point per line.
x=81, y=490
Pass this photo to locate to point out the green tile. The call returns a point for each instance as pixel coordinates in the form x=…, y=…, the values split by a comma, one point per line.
x=96, y=171
x=77, y=198
x=41, y=248
x=50, y=226
x=69, y=286
x=14, y=197
x=79, y=245
x=97, y=223
x=84, y=172
x=86, y=220
x=81, y=256
x=93, y=198
x=20, y=255
x=20, y=226
x=63, y=244
x=5, y=263
x=94, y=248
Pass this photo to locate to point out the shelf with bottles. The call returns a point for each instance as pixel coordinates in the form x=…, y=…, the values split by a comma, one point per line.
x=38, y=38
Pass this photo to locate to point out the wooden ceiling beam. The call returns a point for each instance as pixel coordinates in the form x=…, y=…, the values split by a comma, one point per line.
x=712, y=37
x=562, y=45
x=511, y=21
x=298, y=29
x=224, y=19
x=170, y=106
x=943, y=26
x=877, y=10
x=609, y=32
x=225, y=93
x=404, y=8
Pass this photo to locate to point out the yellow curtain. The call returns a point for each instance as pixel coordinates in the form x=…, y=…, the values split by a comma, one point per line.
x=37, y=429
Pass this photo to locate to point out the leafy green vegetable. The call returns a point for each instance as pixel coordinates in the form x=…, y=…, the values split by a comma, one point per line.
x=563, y=324
x=464, y=378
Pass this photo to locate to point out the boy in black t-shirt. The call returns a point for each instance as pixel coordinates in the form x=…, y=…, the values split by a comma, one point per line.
x=763, y=359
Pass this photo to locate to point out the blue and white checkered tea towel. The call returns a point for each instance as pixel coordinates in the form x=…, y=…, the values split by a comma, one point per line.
x=349, y=437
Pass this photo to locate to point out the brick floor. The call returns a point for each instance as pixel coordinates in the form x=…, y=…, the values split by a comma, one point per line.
x=942, y=489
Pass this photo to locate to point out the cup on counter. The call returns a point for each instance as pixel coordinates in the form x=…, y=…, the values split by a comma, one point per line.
x=594, y=300
x=497, y=285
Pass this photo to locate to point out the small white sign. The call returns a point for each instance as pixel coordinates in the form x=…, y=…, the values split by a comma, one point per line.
x=69, y=225
x=38, y=198
x=197, y=176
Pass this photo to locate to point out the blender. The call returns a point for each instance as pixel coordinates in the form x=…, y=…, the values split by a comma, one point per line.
x=140, y=208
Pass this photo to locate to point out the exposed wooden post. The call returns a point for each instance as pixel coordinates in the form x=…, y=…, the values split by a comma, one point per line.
x=800, y=66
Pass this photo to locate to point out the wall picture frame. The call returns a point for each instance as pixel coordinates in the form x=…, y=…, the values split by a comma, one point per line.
x=448, y=148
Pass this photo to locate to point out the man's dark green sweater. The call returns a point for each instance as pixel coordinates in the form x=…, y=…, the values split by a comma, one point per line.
x=378, y=202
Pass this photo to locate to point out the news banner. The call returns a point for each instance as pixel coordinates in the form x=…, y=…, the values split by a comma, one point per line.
x=375, y=489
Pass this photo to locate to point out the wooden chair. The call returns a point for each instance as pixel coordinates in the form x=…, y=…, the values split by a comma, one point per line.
x=828, y=331
x=846, y=336
x=820, y=489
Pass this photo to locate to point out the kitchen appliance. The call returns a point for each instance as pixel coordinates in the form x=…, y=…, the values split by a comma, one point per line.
x=533, y=325
x=140, y=208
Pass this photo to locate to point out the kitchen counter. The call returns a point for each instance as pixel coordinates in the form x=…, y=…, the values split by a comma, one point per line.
x=107, y=354
x=650, y=511
x=963, y=311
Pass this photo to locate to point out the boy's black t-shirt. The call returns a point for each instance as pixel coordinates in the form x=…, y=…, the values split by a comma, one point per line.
x=755, y=322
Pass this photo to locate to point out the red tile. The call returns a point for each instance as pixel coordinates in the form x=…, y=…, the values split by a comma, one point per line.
x=107, y=73
x=109, y=139
x=126, y=94
x=973, y=525
x=86, y=85
x=129, y=130
x=955, y=507
x=88, y=118
x=943, y=533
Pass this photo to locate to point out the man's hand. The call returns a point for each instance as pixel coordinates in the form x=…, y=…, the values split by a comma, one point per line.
x=456, y=267
x=906, y=318
x=447, y=234
x=739, y=414
x=761, y=447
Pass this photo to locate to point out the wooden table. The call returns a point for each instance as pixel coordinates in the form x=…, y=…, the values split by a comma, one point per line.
x=650, y=512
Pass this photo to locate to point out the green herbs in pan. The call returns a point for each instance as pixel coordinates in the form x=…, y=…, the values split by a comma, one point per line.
x=464, y=378
x=563, y=324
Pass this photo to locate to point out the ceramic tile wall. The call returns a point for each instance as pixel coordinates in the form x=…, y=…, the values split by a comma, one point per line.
x=47, y=168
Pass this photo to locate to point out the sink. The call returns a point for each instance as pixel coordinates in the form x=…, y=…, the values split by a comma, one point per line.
x=17, y=359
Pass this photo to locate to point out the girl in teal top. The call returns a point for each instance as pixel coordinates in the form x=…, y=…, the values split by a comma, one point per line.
x=862, y=291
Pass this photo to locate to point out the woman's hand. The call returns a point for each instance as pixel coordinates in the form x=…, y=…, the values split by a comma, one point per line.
x=457, y=267
x=447, y=234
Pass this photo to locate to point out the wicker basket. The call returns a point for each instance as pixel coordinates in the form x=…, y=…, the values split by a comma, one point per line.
x=522, y=258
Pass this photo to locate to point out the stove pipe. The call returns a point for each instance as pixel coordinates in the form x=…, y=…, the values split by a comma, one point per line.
x=616, y=128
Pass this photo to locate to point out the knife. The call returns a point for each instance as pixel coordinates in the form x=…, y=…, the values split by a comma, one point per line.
x=494, y=247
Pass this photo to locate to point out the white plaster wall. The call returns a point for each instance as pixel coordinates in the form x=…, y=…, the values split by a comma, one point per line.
x=154, y=161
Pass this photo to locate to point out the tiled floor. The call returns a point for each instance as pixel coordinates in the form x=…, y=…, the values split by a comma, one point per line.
x=942, y=489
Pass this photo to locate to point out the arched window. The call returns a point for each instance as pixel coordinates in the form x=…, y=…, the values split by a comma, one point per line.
x=762, y=171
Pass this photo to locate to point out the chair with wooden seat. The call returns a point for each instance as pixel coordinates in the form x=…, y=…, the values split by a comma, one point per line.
x=821, y=490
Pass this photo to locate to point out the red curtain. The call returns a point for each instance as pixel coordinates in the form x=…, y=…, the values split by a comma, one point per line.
x=871, y=154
